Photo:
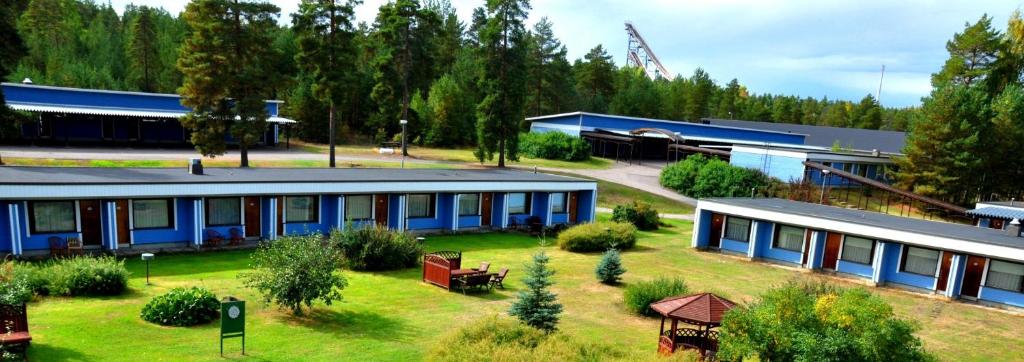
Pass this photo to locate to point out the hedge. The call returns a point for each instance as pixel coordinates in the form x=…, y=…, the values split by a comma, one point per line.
x=598, y=237
x=554, y=145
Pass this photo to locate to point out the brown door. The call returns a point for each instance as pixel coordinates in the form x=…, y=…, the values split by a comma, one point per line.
x=90, y=212
x=381, y=209
x=831, y=257
x=972, y=276
x=252, y=216
x=280, y=215
x=947, y=258
x=485, y=208
x=715, y=240
x=573, y=205
x=995, y=223
x=807, y=247
x=124, y=232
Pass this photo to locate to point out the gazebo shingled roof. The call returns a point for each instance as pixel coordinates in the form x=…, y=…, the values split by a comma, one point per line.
x=700, y=309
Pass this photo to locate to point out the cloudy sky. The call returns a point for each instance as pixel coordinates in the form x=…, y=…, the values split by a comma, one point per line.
x=806, y=48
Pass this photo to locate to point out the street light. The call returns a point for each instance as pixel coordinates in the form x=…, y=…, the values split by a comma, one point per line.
x=824, y=176
x=404, y=153
x=147, y=257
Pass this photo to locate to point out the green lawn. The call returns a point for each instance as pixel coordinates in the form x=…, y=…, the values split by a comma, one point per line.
x=394, y=316
x=461, y=155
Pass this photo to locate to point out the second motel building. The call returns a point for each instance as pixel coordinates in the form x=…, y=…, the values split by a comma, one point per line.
x=952, y=260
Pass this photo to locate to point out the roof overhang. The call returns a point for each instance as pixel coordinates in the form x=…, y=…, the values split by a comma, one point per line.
x=105, y=111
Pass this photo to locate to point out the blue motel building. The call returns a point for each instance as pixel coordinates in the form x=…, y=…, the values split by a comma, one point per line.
x=126, y=209
x=951, y=260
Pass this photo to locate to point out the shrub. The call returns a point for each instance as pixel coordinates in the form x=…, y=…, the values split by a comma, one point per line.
x=597, y=237
x=639, y=296
x=182, y=307
x=83, y=275
x=296, y=270
x=640, y=214
x=34, y=275
x=554, y=145
x=701, y=177
x=14, y=288
x=681, y=176
x=376, y=248
x=502, y=339
x=609, y=269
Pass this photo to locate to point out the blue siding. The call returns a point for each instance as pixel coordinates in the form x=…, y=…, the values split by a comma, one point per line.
x=521, y=218
x=394, y=211
x=684, y=128
x=445, y=207
x=891, y=271
x=1002, y=296
x=95, y=98
x=733, y=245
x=703, y=228
x=855, y=268
x=5, y=228
x=181, y=232
x=469, y=222
x=559, y=218
x=540, y=206
x=429, y=223
x=36, y=241
x=321, y=226
x=497, y=209
x=819, y=247
x=764, y=245
x=780, y=167
x=585, y=207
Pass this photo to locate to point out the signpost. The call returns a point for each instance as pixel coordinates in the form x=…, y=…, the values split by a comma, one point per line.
x=232, y=321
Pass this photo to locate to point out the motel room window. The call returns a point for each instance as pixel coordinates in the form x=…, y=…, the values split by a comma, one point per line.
x=223, y=211
x=301, y=208
x=789, y=238
x=358, y=207
x=920, y=260
x=858, y=250
x=518, y=203
x=420, y=206
x=152, y=214
x=558, y=203
x=53, y=216
x=469, y=204
x=737, y=229
x=1005, y=275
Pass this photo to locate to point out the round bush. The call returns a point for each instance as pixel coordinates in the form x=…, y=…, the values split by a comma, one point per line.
x=681, y=176
x=84, y=275
x=376, y=248
x=598, y=237
x=639, y=296
x=554, y=146
x=182, y=307
x=640, y=214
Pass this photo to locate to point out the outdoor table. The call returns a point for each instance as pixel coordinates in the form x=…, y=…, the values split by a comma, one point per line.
x=463, y=272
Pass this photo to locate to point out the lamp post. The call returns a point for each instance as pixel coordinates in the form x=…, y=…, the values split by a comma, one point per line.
x=147, y=257
x=404, y=152
x=824, y=176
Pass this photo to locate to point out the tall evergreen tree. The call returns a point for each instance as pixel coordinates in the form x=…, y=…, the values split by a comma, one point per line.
x=225, y=64
x=699, y=97
x=972, y=54
x=11, y=50
x=503, y=42
x=142, y=50
x=595, y=80
x=550, y=75
x=867, y=114
x=537, y=306
x=326, y=53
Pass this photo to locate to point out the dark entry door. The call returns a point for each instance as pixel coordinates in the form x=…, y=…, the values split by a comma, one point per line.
x=573, y=206
x=124, y=231
x=995, y=224
x=280, y=215
x=715, y=239
x=381, y=209
x=90, y=212
x=947, y=259
x=252, y=216
x=485, y=208
x=831, y=257
x=807, y=247
x=972, y=276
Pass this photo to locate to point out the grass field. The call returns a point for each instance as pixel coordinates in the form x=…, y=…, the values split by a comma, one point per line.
x=463, y=155
x=394, y=316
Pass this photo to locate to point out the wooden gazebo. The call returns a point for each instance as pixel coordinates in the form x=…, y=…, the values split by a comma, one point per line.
x=704, y=311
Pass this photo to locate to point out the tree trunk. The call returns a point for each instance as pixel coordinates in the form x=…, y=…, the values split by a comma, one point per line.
x=244, y=150
x=331, y=136
x=501, y=152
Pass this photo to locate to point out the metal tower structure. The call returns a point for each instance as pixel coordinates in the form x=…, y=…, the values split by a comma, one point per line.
x=641, y=55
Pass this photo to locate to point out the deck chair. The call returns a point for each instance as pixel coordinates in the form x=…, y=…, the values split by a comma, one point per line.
x=75, y=247
x=535, y=225
x=236, y=236
x=496, y=279
x=214, y=237
x=58, y=246
x=483, y=267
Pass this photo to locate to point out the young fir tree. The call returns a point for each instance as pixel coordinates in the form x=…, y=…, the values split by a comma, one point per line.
x=537, y=306
x=609, y=269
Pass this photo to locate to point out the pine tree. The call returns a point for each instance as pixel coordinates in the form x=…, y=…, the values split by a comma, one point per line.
x=503, y=47
x=595, y=80
x=698, y=98
x=972, y=54
x=609, y=269
x=142, y=50
x=537, y=306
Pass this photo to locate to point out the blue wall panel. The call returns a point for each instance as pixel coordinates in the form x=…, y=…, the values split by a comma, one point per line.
x=855, y=268
x=497, y=209
x=1002, y=296
x=891, y=270
x=94, y=98
x=702, y=228
x=689, y=129
x=765, y=249
x=469, y=222
x=781, y=167
x=5, y=228
x=559, y=218
x=733, y=245
x=585, y=207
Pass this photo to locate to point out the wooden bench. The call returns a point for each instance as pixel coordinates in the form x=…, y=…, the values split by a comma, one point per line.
x=14, y=323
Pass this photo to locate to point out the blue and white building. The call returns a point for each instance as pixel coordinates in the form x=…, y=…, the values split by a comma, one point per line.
x=952, y=260
x=139, y=208
x=997, y=214
x=64, y=115
x=787, y=163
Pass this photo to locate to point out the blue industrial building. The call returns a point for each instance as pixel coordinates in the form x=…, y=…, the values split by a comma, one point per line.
x=64, y=115
x=952, y=260
x=146, y=208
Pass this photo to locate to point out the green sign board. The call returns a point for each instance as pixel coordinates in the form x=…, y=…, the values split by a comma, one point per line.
x=232, y=321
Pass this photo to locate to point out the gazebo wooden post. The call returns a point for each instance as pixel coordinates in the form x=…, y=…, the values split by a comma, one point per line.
x=661, y=331
x=672, y=335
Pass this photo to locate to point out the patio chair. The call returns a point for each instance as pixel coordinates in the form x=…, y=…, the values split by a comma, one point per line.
x=535, y=225
x=496, y=279
x=214, y=237
x=75, y=246
x=483, y=267
x=236, y=236
x=474, y=281
x=58, y=246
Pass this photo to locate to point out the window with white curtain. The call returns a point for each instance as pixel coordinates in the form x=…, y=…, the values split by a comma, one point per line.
x=858, y=250
x=153, y=213
x=223, y=211
x=358, y=207
x=53, y=216
x=301, y=208
x=920, y=260
x=518, y=203
x=558, y=202
x=419, y=206
x=737, y=229
x=469, y=204
x=789, y=238
x=1005, y=275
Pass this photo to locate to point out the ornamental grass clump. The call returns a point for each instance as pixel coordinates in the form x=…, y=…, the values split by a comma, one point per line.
x=639, y=296
x=598, y=237
x=182, y=307
x=502, y=339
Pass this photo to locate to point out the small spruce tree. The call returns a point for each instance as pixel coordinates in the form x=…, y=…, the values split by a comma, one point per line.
x=610, y=270
x=537, y=306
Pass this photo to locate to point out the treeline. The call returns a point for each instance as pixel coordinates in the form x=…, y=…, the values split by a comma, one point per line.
x=416, y=61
